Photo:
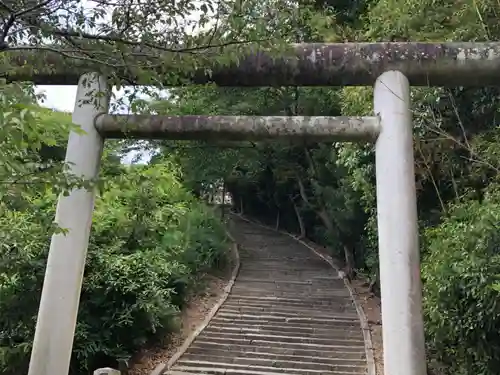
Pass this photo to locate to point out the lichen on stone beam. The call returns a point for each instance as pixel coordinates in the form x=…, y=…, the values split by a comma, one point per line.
x=238, y=128
x=336, y=64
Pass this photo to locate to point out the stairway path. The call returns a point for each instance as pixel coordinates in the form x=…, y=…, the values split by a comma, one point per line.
x=288, y=313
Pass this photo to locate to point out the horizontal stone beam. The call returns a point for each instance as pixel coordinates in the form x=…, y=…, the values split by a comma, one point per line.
x=238, y=128
x=337, y=64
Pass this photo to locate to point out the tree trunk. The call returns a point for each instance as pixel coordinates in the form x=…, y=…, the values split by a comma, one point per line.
x=328, y=223
x=348, y=254
x=223, y=200
x=241, y=206
x=349, y=262
x=299, y=219
x=373, y=286
x=277, y=226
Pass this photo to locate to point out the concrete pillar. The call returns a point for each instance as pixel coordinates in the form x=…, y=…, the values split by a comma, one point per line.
x=401, y=290
x=63, y=276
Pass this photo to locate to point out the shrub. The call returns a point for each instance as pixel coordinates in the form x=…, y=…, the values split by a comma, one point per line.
x=460, y=272
x=22, y=264
x=149, y=239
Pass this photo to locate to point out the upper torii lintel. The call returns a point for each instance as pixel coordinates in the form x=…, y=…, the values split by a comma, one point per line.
x=311, y=64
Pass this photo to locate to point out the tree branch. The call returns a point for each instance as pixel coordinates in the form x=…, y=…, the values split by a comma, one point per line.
x=120, y=40
x=117, y=39
x=33, y=8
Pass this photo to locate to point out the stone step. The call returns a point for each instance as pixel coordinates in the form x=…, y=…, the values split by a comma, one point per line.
x=306, y=332
x=333, y=324
x=297, y=293
x=202, y=346
x=288, y=313
x=254, y=370
x=287, y=316
x=283, y=301
x=286, y=287
x=345, y=306
x=355, y=360
x=256, y=363
x=284, y=341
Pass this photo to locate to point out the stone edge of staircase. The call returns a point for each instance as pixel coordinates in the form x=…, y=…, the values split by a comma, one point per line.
x=165, y=366
x=370, y=358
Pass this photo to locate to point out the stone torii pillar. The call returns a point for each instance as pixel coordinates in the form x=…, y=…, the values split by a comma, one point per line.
x=58, y=309
x=399, y=253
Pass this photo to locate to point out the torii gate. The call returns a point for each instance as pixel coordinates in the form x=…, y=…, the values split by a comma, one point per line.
x=391, y=67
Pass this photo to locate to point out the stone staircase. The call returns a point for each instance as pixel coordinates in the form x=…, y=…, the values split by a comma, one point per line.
x=288, y=313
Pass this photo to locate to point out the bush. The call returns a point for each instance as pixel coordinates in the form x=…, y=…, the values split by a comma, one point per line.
x=150, y=238
x=460, y=272
x=22, y=264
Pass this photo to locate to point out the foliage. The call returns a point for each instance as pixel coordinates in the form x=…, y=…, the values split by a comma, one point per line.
x=28, y=141
x=158, y=42
x=151, y=240
x=449, y=20
x=461, y=273
x=148, y=245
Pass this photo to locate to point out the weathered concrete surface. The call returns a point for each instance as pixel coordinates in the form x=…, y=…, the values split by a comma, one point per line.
x=287, y=313
x=336, y=64
x=238, y=128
